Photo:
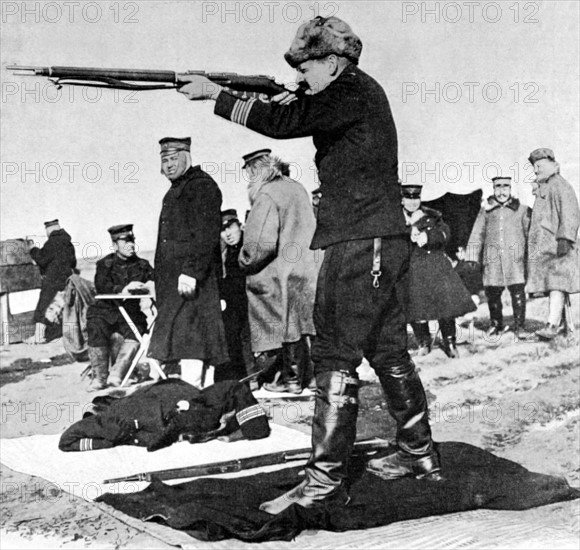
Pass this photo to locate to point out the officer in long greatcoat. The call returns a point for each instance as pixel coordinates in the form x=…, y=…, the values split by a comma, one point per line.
x=498, y=240
x=360, y=224
x=189, y=327
x=553, y=251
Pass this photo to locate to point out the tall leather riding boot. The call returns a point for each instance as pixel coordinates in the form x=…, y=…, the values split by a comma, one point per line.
x=407, y=404
x=123, y=362
x=493, y=294
x=333, y=436
x=99, y=358
x=518, y=295
x=448, y=337
x=423, y=337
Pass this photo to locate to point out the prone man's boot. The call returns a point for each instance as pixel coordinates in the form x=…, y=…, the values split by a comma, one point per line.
x=333, y=436
x=123, y=362
x=407, y=403
x=99, y=358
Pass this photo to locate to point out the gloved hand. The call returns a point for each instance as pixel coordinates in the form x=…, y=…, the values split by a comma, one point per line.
x=564, y=246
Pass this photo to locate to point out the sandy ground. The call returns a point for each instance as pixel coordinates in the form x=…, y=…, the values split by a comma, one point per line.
x=519, y=400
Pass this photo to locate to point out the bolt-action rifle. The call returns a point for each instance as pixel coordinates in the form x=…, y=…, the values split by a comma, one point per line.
x=239, y=464
x=143, y=79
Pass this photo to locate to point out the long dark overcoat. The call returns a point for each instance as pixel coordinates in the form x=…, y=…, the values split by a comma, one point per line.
x=498, y=241
x=188, y=243
x=435, y=289
x=56, y=260
x=555, y=216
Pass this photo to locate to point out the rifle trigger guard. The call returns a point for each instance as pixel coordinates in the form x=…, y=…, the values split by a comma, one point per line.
x=56, y=82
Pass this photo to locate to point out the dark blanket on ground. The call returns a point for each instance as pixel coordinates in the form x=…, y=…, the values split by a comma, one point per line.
x=216, y=509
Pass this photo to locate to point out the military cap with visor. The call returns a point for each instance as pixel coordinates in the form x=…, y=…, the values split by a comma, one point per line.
x=229, y=217
x=170, y=145
x=501, y=181
x=254, y=156
x=411, y=191
x=122, y=232
x=50, y=223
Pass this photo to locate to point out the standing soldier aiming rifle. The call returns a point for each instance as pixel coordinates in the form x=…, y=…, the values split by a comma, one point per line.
x=358, y=311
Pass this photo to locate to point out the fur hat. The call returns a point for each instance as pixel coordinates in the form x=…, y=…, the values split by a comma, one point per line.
x=321, y=37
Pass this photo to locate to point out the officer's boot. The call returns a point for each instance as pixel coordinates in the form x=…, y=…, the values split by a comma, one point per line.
x=448, y=337
x=519, y=306
x=123, y=362
x=99, y=358
x=493, y=294
x=423, y=337
x=333, y=435
x=407, y=403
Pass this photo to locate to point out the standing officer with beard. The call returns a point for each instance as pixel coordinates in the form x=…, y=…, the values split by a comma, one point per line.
x=189, y=328
x=358, y=311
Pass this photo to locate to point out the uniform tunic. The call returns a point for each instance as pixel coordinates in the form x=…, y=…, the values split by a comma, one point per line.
x=498, y=241
x=188, y=243
x=555, y=216
x=56, y=260
x=103, y=317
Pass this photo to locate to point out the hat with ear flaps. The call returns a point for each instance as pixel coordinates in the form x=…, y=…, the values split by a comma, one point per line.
x=321, y=37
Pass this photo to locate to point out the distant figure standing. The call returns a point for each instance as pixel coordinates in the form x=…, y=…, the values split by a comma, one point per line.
x=435, y=289
x=232, y=286
x=56, y=260
x=498, y=240
x=552, y=241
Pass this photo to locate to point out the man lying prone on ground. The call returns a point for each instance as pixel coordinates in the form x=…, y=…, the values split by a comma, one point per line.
x=167, y=411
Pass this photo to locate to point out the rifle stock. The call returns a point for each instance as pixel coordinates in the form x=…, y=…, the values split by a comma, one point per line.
x=126, y=79
x=237, y=465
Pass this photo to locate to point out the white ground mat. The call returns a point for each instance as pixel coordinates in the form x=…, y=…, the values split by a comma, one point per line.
x=83, y=473
x=265, y=394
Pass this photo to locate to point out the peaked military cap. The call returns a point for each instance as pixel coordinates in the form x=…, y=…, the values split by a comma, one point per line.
x=411, y=191
x=323, y=36
x=170, y=145
x=51, y=222
x=501, y=178
x=541, y=153
x=228, y=217
x=124, y=232
x=255, y=155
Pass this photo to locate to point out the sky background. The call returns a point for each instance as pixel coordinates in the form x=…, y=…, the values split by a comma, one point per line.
x=473, y=86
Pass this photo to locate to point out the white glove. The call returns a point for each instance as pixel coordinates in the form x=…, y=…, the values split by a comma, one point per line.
x=186, y=285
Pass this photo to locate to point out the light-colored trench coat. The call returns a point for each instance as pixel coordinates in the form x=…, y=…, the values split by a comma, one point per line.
x=555, y=216
x=282, y=270
x=498, y=241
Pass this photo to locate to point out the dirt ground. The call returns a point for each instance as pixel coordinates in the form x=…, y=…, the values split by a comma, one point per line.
x=518, y=400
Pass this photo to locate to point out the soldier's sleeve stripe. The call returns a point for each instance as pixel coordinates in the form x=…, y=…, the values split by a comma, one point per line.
x=241, y=111
x=248, y=414
x=86, y=444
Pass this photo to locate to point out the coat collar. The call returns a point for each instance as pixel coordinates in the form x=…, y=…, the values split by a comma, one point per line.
x=492, y=203
x=179, y=184
x=542, y=189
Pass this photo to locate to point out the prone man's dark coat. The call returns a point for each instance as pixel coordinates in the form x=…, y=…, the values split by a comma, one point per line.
x=188, y=243
x=356, y=152
x=56, y=260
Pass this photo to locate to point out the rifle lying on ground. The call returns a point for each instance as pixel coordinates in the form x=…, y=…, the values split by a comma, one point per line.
x=126, y=79
x=239, y=464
